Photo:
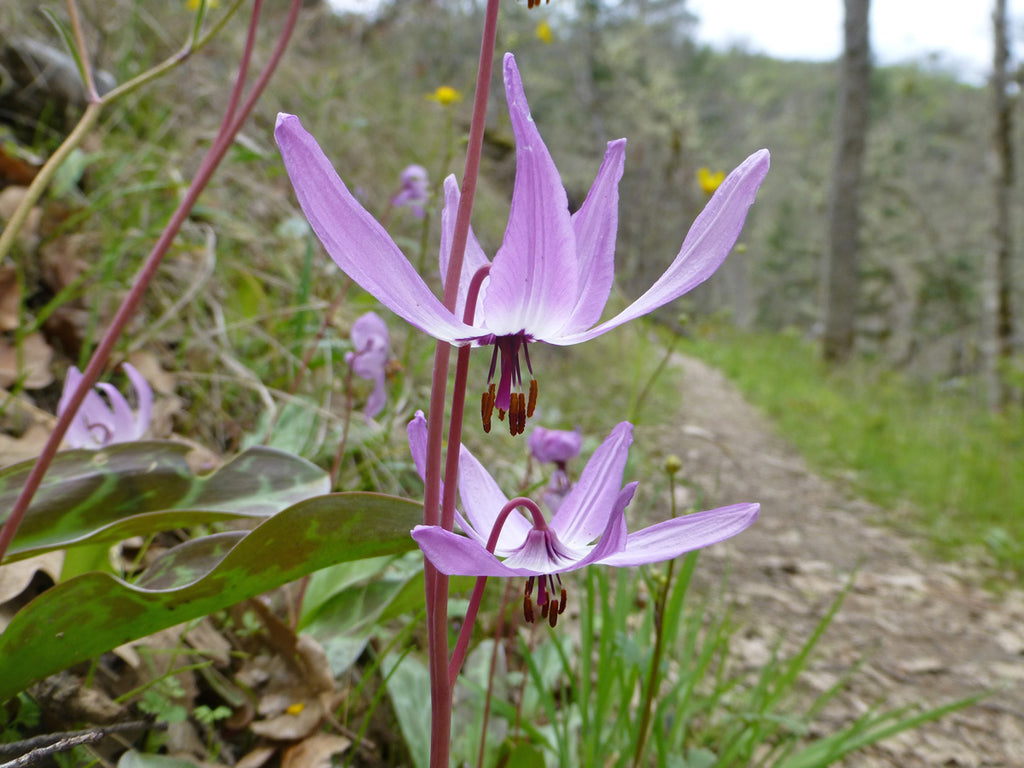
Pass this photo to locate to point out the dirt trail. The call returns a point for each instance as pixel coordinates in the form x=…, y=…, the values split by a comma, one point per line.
x=928, y=630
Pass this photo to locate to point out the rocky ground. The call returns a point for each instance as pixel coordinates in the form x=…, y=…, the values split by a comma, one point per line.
x=926, y=631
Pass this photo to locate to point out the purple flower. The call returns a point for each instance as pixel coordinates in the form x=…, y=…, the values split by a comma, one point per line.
x=555, y=445
x=369, y=361
x=413, y=193
x=588, y=528
x=552, y=275
x=100, y=422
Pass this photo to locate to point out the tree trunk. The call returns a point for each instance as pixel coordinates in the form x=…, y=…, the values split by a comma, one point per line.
x=997, y=344
x=841, y=259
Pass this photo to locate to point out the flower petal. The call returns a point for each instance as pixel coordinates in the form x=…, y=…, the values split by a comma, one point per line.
x=456, y=555
x=583, y=514
x=669, y=539
x=534, y=275
x=356, y=241
x=706, y=245
x=483, y=500
x=143, y=398
x=595, y=225
x=473, y=258
x=122, y=416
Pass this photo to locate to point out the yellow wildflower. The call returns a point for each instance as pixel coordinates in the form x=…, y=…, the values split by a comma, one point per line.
x=296, y=708
x=709, y=181
x=193, y=5
x=544, y=33
x=445, y=95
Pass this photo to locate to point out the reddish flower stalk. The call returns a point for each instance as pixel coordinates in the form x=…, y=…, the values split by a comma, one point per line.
x=230, y=125
x=436, y=582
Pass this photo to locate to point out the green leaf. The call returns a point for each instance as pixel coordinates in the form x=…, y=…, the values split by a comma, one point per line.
x=131, y=489
x=92, y=613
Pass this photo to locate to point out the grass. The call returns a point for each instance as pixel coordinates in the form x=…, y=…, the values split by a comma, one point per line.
x=929, y=452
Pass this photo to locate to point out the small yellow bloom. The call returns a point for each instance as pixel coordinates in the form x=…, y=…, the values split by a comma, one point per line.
x=193, y=5
x=445, y=95
x=295, y=709
x=709, y=181
x=544, y=33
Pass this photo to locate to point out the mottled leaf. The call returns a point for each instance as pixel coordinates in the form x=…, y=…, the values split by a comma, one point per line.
x=95, y=612
x=130, y=489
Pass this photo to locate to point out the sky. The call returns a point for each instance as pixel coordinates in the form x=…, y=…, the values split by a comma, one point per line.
x=960, y=30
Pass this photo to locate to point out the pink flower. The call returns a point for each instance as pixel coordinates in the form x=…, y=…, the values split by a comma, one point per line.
x=103, y=420
x=413, y=194
x=369, y=361
x=552, y=275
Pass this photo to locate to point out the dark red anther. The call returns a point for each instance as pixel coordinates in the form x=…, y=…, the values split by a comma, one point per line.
x=487, y=407
x=531, y=405
x=561, y=603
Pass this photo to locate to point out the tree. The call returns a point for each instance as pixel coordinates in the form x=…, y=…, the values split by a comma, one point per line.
x=841, y=277
x=997, y=344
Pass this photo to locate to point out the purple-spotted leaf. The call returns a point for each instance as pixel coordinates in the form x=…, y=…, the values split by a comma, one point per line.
x=90, y=614
x=130, y=489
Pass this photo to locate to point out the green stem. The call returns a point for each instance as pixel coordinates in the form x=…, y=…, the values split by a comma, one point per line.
x=653, y=676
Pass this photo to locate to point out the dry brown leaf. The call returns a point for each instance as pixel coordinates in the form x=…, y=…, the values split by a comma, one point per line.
x=28, y=446
x=14, y=577
x=10, y=298
x=22, y=580
x=301, y=717
x=36, y=357
x=62, y=259
x=256, y=758
x=315, y=752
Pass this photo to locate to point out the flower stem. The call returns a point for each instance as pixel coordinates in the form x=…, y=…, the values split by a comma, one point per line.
x=230, y=125
x=437, y=583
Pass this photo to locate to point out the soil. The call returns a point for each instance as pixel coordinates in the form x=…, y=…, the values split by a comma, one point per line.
x=926, y=632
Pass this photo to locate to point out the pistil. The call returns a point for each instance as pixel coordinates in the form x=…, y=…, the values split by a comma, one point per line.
x=508, y=397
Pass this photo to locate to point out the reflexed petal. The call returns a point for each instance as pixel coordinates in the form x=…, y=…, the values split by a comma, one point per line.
x=144, y=399
x=354, y=239
x=482, y=501
x=534, y=274
x=706, y=245
x=417, y=432
x=122, y=417
x=672, y=538
x=473, y=259
x=583, y=514
x=614, y=537
x=456, y=555
x=596, y=224
x=369, y=331
x=375, y=402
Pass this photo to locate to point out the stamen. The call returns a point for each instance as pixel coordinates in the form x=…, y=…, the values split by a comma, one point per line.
x=552, y=616
x=501, y=414
x=561, y=604
x=544, y=609
x=487, y=407
x=527, y=601
x=532, y=404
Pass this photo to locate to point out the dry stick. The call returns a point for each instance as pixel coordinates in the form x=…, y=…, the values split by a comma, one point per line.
x=49, y=744
x=229, y=127
x=437, y=583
